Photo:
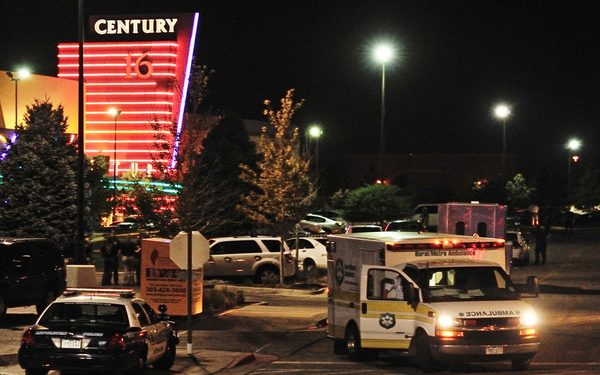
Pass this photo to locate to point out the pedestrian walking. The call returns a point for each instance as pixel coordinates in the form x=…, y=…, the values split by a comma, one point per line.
x=110, y=254
x=541, y=244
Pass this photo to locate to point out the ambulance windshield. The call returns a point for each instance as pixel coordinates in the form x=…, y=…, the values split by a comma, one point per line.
x=466, y=283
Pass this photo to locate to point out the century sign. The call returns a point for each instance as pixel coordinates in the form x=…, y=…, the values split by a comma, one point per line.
x=140, y=65
x=135, y=26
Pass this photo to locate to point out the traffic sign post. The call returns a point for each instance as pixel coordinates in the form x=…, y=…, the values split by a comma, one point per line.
x=179, y=250
x=189, y=250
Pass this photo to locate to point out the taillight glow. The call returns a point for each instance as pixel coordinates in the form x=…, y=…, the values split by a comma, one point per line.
x=28, y=339
x=116, y=341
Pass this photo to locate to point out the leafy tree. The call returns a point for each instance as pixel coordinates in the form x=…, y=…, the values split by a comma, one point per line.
x=39, y=178
x=283, y=190
x=586, y=192
x=519, y=194
x=376, y=203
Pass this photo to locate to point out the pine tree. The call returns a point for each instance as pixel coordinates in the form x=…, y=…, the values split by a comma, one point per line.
x=39, y=180
x=283, y=190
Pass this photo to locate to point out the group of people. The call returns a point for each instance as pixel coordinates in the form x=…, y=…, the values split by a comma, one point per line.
x=129, y=251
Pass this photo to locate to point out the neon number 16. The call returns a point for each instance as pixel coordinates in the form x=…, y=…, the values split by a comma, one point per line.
x=140, y=64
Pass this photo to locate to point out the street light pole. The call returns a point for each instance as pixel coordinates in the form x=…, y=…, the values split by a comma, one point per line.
x=502, y=112
x=315, y=132
x=383, y=54
x=382, y=125
x=573, y=145
x=16, y=77
x=115, y=113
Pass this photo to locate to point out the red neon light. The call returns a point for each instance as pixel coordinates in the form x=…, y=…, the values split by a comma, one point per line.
x=135, y=77
x=118, y=45
x=157, y=93
x=130, y=103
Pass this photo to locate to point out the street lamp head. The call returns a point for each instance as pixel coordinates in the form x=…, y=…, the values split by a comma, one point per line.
x=20, y=74
x=502, y=111
x=23, y=73
x=114, y=112
x=315, y=131
x=574, y=144
x=383, y=53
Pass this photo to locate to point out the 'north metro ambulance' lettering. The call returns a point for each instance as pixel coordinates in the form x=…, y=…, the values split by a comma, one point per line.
x=135, y=26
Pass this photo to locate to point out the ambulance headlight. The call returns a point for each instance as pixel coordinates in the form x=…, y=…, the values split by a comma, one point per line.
x=446, y=321
x=529, y=319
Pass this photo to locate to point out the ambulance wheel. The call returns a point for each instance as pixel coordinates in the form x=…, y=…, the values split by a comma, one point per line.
x=424, y=358
x=521, y=364
x=355, y=351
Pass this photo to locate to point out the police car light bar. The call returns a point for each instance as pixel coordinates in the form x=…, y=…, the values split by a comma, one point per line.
x=121, y=292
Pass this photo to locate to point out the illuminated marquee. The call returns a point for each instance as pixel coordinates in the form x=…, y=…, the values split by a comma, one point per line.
x=139, y=65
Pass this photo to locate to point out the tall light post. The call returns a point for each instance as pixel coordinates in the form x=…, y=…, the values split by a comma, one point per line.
x=573, y=145
x=115, y=113
x=502, y=112
x=315, y=132
x=20, y=74
x=383, y=54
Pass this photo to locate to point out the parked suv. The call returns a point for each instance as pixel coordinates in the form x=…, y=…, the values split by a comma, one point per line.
x=32, y=272
x=248, y=256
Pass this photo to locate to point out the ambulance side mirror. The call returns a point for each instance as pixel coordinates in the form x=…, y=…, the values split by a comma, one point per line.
x=412, y=296
x=533, y=285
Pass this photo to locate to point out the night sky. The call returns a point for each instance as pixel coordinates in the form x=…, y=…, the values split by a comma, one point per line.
x=456, y=60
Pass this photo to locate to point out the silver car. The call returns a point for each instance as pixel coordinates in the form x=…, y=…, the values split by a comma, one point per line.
x=520, y=247
x=248, y=256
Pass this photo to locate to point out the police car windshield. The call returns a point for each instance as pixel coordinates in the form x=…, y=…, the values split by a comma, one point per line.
x=85, y=313
x=466, y=284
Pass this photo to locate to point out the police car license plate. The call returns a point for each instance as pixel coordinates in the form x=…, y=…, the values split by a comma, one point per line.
x=70, y=344
x=494, y=350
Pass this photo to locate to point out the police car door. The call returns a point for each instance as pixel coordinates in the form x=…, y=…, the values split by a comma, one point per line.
x=387, y=320
x=154, y=328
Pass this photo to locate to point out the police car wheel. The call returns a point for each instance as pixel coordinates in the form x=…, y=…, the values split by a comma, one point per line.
x=167, y=361
x=355, y=351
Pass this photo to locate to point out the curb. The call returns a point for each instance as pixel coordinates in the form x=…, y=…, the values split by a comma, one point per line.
x=243, y=359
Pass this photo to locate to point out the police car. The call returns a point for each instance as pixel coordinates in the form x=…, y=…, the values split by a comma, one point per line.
x=107, y=330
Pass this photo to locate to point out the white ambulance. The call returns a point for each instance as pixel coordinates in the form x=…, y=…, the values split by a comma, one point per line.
x=440, y=298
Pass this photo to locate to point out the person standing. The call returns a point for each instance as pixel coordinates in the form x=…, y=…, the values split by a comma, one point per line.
x=110, y=254
x=541, y=244
x=127, y=256
x=137, y=258
x=534, y=211
x=424, y=219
